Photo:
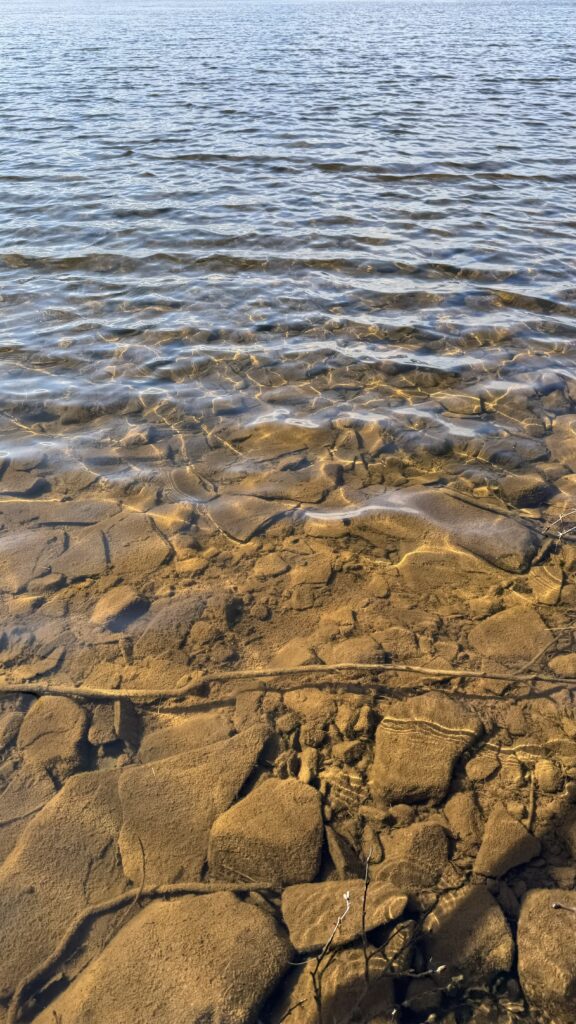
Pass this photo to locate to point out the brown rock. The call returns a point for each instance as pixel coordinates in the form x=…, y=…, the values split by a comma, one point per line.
x=170, y=806
x=464, y=818
x=273, y=835
x=183, y=734
x=311, y=911
x=505, y=845
x=482, y=766
x=547, y=954
x=169, y=626
x=269, y=566
x=52, y=736
x=119, y=608
x=358, y=649
x=135, y=545
x=344, y=992
x=418, y=743
x=66, y=858
x=195, y=958
x=468, y=933
x=242, y=516
x=311, y=704
x=415, y=857
x=513, y=636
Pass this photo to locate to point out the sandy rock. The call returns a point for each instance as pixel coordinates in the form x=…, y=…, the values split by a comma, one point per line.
x=52, y=736
x=311, y=704
x=170, y=806
x=270, y=566
x=102, y=729
x=169, y=625
x=194, y=958
x=119, y=608
x=415, y=857
x=66, y=857
x=417, y=514
x=308, y=484
x=85, y=555
x=135, y=545
x=417, y=745
x=354, y=649
x=316, y=572
x=482, y=766
x=547, y=954
x=563, y=665
x=464, y=818
x=513, y=636
x=26, y=793
x=344, y=858
x=186, y=733
x=468, y=933
x=242, y=516
x=505, y=845
x=343, y=992
x=26, y=555
x=547, y=776
x=525, y=490
x=310, y=911
x=273, y=835
x=293, y=654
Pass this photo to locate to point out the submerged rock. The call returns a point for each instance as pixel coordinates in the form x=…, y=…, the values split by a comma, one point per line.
x=515, y=635
x=194, y=958
x=468, y=933
x=52, y=736
x=311, y=911
x=273, y=835
x=415, y=856
x=345, y=995
x=170, y=805
x=417, y=745
x=118, y=608
x=547, y=954
x=505, y=845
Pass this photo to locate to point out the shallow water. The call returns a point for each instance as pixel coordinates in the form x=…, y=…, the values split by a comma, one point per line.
x=227, y=214
x=288, y=378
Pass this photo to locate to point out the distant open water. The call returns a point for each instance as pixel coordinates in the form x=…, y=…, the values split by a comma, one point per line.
x=202, y=200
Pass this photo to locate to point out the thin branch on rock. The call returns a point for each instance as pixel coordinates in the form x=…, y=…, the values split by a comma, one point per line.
x=197, y=685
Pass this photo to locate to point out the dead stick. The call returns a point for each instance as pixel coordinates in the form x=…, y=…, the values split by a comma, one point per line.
x=147, y=696
x=26, y=988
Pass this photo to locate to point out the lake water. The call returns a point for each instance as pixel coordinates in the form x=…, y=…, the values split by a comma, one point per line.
x=288, y=354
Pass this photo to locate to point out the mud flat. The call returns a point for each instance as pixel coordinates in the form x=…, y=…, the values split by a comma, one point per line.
x=302, y=749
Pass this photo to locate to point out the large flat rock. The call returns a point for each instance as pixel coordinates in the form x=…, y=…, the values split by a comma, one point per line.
x=187, y=961
x=514, y=636
x=170, y=806
x=505, y=844
x=66, y=857
x=412, y=516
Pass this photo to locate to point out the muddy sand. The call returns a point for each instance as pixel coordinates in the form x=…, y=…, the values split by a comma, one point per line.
x=296, y=745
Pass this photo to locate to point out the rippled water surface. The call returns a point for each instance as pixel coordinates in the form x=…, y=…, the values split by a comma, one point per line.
x=260, y=258
x=221, y=215
x=287, y=393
